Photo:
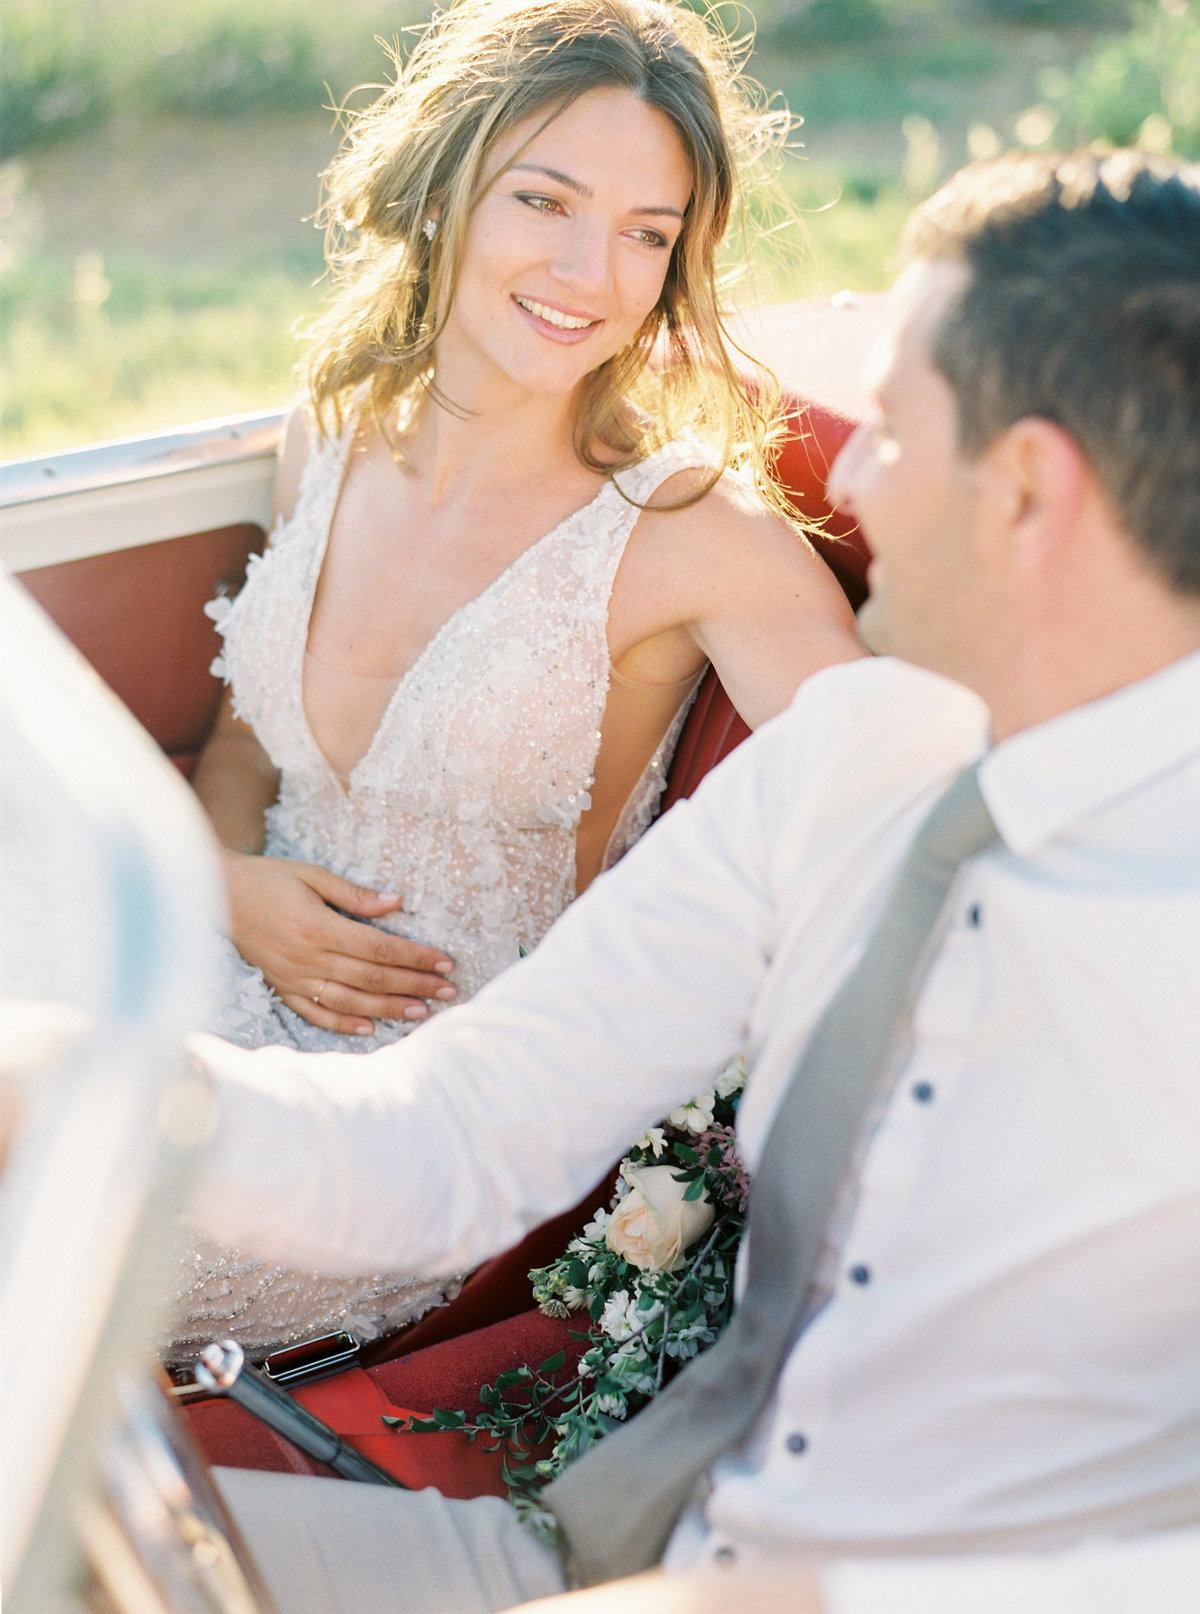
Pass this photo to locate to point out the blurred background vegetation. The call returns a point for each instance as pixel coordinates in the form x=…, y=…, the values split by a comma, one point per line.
x=159, y=163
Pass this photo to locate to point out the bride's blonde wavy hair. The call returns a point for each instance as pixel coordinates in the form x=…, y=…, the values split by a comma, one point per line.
x=479, y=69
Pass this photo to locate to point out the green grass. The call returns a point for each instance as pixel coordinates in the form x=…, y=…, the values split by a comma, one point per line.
x=105, y=348
x=68, y=65
x=849, y=226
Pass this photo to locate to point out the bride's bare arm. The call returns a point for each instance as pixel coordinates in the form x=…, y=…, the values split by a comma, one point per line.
x=235, y=782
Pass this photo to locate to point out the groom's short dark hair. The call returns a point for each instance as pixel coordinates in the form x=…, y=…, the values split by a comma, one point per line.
x=1082, y=307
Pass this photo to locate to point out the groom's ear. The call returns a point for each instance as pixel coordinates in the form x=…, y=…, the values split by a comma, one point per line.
x=1036, y=481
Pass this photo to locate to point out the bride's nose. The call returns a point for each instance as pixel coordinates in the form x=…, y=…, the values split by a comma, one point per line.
x=585, y=260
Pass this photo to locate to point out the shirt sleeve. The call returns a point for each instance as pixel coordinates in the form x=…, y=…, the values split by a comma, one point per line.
x=1159, y=1572
x=430, y=1156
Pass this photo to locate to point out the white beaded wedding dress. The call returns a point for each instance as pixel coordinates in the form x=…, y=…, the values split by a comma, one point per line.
x=467, y=800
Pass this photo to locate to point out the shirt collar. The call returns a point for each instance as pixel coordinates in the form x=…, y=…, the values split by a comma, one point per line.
x=1048, y=777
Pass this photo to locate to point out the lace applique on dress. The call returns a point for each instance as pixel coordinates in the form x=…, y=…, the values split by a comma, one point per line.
x=467, y=800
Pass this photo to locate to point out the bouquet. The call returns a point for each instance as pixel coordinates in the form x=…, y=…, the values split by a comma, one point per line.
x=651, y=1280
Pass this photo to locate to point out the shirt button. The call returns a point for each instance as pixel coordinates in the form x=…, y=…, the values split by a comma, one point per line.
x=975, y=916
x=923, y=1092
x=860, y=1275
x=797, y=1443
x=725, y=1556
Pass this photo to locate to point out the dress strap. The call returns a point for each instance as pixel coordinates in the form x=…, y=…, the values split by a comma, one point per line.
x=320, y=480
x=641, y=481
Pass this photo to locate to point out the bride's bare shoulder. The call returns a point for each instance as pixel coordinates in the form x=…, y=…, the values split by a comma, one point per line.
x=713, y=538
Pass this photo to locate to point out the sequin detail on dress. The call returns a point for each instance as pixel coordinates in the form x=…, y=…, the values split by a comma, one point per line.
x=467, y=800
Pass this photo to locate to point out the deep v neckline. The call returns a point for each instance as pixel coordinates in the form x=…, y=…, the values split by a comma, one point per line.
x=317, y=566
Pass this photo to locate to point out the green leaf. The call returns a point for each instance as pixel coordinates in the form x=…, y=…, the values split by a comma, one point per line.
x=445, y=1419
x=691, y=1174
x=682, y=1152
x=553, y=1363
x=695, y=1188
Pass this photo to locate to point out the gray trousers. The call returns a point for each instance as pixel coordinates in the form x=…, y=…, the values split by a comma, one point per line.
x=328, y=1546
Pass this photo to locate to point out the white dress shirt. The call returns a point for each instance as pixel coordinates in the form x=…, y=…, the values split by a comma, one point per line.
x=1155, y=1574
x=1010, y=1355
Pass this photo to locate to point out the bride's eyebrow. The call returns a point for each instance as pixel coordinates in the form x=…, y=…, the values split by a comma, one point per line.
x=575, y=185
x=586, y=191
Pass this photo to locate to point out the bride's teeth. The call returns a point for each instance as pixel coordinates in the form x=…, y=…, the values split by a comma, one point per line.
x=552, y=316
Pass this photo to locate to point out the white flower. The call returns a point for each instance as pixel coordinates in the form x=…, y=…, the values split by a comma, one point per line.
x=696, y=1115
x=655, y=1140
x=733, y=1078
x=620, y=1316
x=593, y=1233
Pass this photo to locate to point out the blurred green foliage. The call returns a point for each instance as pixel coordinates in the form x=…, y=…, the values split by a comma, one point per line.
x=105, y=347
x=824, y=22
x=924, y=74
x=1052, y=13
x=1138, y=87
x=65, y=65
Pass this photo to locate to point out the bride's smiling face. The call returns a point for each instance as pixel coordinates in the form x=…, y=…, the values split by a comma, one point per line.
x=568, y=246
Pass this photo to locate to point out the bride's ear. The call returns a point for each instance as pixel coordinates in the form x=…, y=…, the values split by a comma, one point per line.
x=431, y=220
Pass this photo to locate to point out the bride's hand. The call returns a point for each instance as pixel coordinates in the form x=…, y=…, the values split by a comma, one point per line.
x=332, y=971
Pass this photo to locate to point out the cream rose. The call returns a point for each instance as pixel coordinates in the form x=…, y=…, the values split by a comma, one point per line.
x=654, y=1224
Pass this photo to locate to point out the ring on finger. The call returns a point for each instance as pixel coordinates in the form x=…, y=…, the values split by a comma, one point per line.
x=320, y=989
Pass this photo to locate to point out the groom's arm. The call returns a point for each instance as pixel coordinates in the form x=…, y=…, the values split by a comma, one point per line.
x=741, y=909
x=439, y=1151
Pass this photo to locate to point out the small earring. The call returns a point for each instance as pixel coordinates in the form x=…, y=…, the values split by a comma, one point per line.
x=429, y=229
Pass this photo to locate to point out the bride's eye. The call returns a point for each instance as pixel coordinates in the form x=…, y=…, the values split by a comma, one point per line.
x=649, y=237
x=539, y=203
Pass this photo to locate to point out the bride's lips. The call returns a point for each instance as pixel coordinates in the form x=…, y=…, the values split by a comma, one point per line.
x=536, y=310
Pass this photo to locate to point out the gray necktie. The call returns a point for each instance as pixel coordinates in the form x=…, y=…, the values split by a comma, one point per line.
x=618, y=1505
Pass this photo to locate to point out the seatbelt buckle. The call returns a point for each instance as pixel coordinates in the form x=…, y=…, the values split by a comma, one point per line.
x=313, y=1359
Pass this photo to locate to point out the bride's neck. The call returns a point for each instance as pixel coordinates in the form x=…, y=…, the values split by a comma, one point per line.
x=530, y=437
